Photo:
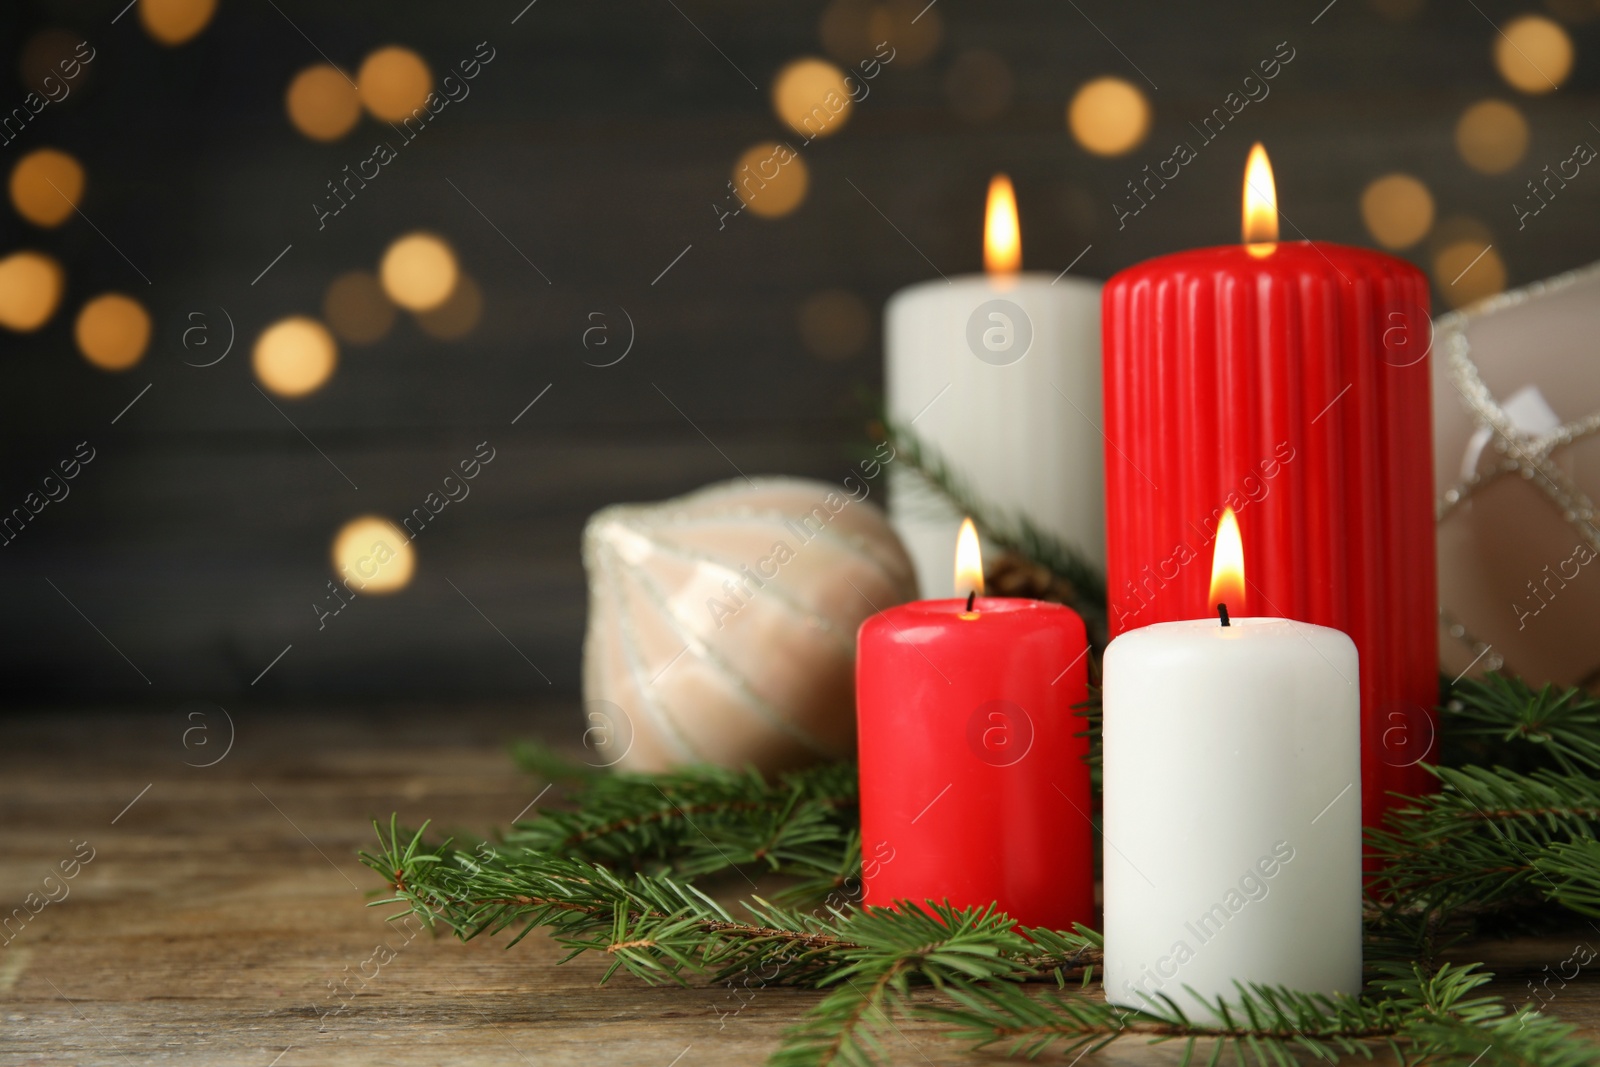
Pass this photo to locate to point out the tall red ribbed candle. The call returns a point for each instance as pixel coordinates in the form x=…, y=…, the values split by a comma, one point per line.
x=1293, y=386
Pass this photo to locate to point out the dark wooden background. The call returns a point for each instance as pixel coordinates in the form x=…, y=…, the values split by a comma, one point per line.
x=597, y=141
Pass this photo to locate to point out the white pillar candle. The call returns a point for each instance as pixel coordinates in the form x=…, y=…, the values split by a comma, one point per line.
x=999, y=374
x=1232, y=808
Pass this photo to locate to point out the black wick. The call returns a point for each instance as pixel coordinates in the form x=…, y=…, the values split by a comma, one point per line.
x=1222, y=613
x=970, y=598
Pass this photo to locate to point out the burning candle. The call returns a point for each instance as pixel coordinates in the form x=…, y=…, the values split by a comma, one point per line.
x=973, y=785
x=1289, y=381
x=1232, y=815
x=999, y=374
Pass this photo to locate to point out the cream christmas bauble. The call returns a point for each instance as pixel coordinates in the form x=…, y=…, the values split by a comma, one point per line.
x=722, y=624
x=1517, y=468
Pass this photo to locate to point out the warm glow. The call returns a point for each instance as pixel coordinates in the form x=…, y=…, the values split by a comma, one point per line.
x=30, y=289
x=1533, y=54
x=1109, y=116
x=1468, y=270
x=1260, y=202
x=1002, y=238
x=1492, y=136
x=812, y=97
x=370, y=555
x=1398, y=210
x=394, y=82
x=357, y=309
x=46, y=186
x=771, y=179
x=969, y=561
x=113, y=331
x=1227, y=564
x=419, y=272
x=322, y=103
x=294, y=356
x=457, y=316
x=175, y=21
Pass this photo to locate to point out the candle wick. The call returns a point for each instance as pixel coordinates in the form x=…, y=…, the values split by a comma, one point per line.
x=1222, y=613
x=970, y=598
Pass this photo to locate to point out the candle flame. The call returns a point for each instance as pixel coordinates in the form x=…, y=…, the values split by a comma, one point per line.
x=1227, y=564
x=969, y=561
x=1002, y=238
x=1260, y=204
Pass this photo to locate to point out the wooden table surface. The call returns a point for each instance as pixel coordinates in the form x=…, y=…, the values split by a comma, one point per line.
x=221, y=903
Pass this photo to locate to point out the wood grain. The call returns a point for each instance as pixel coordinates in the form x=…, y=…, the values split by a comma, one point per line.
x=218, y=909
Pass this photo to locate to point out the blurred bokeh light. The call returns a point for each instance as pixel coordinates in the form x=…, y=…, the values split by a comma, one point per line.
x=1109, y=116
x=372, y=555
x=811, y=96
x=458, y=315
x=771, y=179
x=357, y=309
x=30, y=290
x=1397, y=210
x=172, y=22
x=394, y=82
x=835, y=324
x=419, y=271
x=46, y=185
x=1492, y=136
x=113, y=331
x=323, y=103
x=295, y=356
x=1533, y=54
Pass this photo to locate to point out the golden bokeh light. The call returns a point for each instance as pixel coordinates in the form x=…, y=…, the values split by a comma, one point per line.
x=811, y=96
x=1468, y=270
x=294, y=356
x=394, y=82
x=173, y=22
x=419, y=271
x=1492, y=136
x=979, y=85
x=1533, y=54
x=373, y=555
x=1398, y=210
x=834, y=324
x=51, y=66
x=30, y=290
x=771, y=180
x=46, y=185
x=458, y=315
x=112, y=331
x=1109, y=116
x=903, y=32
x=322, y=103
x=357, y=309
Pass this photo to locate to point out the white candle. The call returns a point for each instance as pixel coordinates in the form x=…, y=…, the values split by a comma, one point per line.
x=999, y=373
x=1232, y=806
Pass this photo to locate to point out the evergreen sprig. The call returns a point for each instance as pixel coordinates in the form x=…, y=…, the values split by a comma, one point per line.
x=612, y=875
x=703, y=820
x=1001, y=529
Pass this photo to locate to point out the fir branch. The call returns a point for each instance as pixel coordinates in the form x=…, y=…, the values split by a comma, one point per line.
x=1001, y=529
x=1418, y=1016
x=1503, y=721
x=701, y=820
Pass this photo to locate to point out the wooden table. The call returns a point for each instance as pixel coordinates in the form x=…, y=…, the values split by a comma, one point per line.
x=223, y=902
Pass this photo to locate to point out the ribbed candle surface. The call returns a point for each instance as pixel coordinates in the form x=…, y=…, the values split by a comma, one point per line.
x=1293, y=387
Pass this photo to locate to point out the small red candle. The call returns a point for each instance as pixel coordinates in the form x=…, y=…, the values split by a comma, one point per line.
x=973, y=785
x=1290, y=382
